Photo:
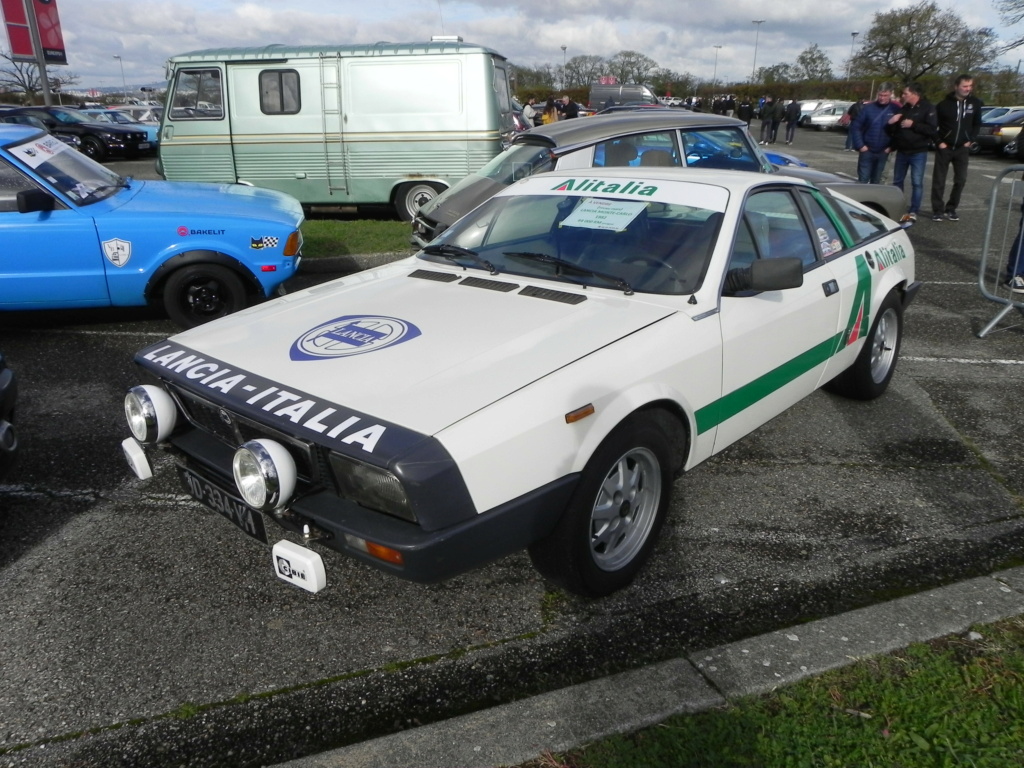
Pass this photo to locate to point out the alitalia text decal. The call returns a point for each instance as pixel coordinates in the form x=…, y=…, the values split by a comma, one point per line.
x=596, y=185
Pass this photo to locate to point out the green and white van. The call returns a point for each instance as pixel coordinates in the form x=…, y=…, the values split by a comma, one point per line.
x=390, y=123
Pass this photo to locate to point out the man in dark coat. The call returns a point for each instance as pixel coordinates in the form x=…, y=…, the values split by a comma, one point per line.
x=912, y=130
x=959, y=121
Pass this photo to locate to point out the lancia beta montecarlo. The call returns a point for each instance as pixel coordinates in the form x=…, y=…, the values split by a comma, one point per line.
x=536, y=377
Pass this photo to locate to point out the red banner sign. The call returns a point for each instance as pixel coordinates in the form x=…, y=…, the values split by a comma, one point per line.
x=19, y=32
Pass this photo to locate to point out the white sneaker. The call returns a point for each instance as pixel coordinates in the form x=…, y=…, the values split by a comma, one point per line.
x=1016, y=284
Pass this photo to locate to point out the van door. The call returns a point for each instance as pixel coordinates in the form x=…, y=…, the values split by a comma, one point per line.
x=195, y=138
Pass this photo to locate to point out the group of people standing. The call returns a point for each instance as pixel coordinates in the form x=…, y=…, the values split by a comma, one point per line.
x=773, y=114
x=552, y=111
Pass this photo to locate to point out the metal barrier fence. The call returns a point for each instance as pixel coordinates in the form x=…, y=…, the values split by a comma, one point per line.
x=1005, y=220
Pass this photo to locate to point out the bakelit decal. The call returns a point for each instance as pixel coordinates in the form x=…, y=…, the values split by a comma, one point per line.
x=117, y=251
x=351, y=335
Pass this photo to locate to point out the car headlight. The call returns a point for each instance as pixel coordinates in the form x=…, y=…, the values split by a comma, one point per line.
x=264, y=474
x=151, y=413
x=371, y=487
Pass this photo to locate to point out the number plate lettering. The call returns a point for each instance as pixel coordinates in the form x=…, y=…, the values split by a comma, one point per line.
x=224, y=503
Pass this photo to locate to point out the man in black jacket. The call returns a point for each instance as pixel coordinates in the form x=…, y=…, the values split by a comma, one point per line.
x=959, y=120
x=912, y=130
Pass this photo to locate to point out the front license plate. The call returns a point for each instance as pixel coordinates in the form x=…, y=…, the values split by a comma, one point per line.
x=143, y=145
x=224, y=502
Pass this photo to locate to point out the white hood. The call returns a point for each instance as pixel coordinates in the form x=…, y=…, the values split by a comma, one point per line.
x=474, y=345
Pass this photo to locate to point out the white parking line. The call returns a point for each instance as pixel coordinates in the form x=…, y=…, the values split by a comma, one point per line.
x=961, y=360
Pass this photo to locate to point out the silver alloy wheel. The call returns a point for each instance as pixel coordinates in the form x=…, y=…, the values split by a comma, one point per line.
x=625, y=509
x=883, y=345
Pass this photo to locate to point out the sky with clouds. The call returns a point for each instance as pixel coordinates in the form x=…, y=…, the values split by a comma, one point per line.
x=681, y=36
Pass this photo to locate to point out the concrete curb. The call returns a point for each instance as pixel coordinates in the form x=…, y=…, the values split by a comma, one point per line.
x=571, y=717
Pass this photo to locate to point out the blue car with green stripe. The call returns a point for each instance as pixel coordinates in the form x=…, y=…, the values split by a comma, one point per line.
x=536, y=377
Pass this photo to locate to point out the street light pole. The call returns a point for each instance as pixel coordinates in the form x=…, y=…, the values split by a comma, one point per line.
x=853, y=39
x=563, y=67
x=714, y=77
x=124, y=83
x=757, y=26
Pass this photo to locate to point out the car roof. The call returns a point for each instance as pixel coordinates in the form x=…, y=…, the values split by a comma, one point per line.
x=15, y=133
x=586, y=130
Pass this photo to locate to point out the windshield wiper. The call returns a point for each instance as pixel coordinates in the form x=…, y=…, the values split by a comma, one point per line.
x=455, y=252
x=544, y=258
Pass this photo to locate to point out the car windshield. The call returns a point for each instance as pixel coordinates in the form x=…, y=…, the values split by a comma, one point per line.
x=632, y=245
x=70, y=117
x=517, y=162
x=83, y=180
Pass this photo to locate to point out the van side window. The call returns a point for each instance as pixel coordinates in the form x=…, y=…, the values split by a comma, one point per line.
x=279, y=92
x=198, y=95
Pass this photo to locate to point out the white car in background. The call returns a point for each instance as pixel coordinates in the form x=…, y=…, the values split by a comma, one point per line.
x=536, y=377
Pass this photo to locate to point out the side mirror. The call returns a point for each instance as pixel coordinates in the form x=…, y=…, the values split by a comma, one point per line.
x=32, y=200
x=767, y=275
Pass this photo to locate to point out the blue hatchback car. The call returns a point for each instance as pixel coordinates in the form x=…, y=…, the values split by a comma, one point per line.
x=76, y=234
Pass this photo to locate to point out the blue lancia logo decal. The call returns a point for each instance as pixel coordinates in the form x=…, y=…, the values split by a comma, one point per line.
x=351, y=335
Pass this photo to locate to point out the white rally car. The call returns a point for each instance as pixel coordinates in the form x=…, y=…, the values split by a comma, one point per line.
x=535, y=377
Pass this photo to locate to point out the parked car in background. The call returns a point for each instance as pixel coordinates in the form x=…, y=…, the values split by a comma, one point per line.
x=35, y=122
x=996, y=133
x=141, y=113
x=8, y=400
x=654, y=136
x=76, y=234
x=98, y=140
x=536, y=378
x=828, y=118
x=117, y=117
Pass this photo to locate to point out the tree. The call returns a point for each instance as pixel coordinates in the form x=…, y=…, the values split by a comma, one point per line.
x=535, y=79
x=909, y=43
x=1012, y=13
x=631, y=66
x=581, y=71
x=812, y=65
x=23, y=77
x=664, y=81
x=775, y=74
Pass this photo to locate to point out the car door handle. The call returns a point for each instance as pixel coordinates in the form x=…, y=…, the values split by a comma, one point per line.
x=830, y=287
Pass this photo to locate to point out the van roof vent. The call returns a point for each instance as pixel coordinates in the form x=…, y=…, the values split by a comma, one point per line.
x=446, y=38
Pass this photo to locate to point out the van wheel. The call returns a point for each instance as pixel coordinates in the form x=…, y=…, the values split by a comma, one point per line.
x=198, y=293
x=609, y=528
x=93, y=148
x=409, y=198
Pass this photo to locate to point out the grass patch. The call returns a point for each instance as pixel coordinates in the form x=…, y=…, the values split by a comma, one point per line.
x=340, y=237
x=957, y=701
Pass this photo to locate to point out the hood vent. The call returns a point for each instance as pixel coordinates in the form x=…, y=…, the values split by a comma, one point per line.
x=440, y=277
x=491, y=285
x=550, y=295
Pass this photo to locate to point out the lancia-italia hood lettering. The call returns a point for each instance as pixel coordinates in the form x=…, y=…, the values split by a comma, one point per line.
x=417, y=352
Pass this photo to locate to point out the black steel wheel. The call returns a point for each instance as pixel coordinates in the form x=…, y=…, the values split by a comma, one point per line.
x=198, y=293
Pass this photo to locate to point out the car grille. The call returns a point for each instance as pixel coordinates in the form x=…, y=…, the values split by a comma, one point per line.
x=233, y=430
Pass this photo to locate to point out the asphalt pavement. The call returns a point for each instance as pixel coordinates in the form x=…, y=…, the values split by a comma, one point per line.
x=141, y=629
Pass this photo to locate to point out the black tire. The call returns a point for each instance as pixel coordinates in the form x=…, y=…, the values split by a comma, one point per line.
x=610, y=526
x=94, y=148
x=871, y=372
x=198, y=293
x=409, y=198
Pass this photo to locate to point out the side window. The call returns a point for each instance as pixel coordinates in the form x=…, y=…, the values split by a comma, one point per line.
x=777, y=228
x=198, y=95
x=829, y=238
x=646, y=149
x=720, y=149
x=279, y=92
x=861, y=224
x=12, y=181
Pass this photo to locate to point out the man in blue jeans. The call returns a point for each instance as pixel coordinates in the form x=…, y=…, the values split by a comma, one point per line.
x=869, y=137
x=912, y=130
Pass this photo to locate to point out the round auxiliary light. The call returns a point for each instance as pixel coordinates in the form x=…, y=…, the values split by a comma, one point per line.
x=151, y=413
x=264, y=474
